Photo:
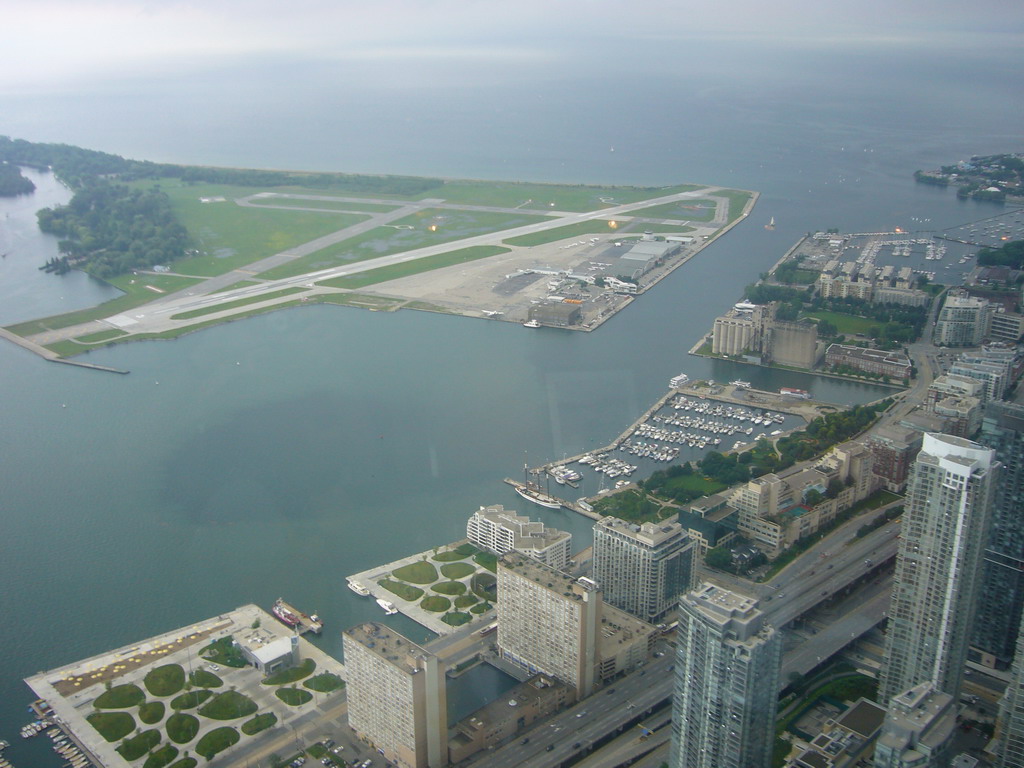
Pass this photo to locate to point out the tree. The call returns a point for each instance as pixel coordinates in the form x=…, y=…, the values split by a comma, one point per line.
x=719, y=558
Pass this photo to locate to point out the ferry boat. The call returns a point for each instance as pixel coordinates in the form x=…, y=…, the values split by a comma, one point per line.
x=389, y=607
x=803, y=394
x=538, y=497
x=677, y=381
x=359, y=589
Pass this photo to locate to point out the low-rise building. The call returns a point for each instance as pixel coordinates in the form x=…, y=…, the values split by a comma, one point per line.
x=844, y=741
x=918, y=729
x=268, y=652
x=893, y=450
x=516, y=710
x=500, y=531
x=894, y=365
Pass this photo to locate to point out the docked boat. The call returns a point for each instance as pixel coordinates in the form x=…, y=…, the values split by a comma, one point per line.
x=285, y=616
x=292, y=617
x=740, y=384
x=359, y=589
x=389, y=607
x=803, y=394
x=531, y=324
x=677, y=381
x=538, y=497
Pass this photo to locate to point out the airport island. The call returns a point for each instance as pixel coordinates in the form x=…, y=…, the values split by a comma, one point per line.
x=230, y=244
x=767, y=529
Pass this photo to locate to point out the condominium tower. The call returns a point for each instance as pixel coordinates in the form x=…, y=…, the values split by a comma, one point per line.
x=642, y=569
x=938, y=565
x=396, y=696
x=1001, y=601
x=726, y=682
x=1008, y=746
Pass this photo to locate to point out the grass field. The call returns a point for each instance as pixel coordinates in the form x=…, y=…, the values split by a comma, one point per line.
x=592, y=227
x=386, y=240
x=684, y=210
x=737, y=199
x=234, y=236
x=328, y=205
x=539, y=197
x=420, y=572
x=405, y=269
x=844, y=323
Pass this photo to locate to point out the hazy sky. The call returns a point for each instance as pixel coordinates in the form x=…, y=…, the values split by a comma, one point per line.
x=59, y=42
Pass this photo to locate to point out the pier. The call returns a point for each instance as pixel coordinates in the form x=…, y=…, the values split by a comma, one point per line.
x=51, y=356
x=306, y=622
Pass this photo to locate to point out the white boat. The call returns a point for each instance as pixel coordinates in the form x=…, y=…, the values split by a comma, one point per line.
x=389, y=608
x=538, y=497
x=359, y=589
x=677, y=381
x=531, y=324
x=740, y=384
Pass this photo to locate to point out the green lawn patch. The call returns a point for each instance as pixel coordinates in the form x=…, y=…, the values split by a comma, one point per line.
x=112, y=725
x=223, y=651
x=846, y=324
x=633, y=505
x=414, y=267
x=190, y=699
x=464, y=601
x=683, y=210
x=420, y=572
x=293, y=697
x=431, y=226
x=481, y=608
x=120, y=697
x=325, y=682
x=591, y=227
x=484, y=585
x=233, y=236
x=151, y=712
x=137, y=746
x=216, y=741
x=449, y=556
x=737, y=201
x=456, y=618
x=466, y=549
x=258, y=723
x=161, y=757
x=182, y=727
x=94, y=338
x=404, y=591
x=292, y=674
x=487, y=560
x=166, y=680
x=435, y=603
x=228, y=706
x=204, y=678
x=186, y=762
x=449, y=587
x=238, y=303
x=457, y=570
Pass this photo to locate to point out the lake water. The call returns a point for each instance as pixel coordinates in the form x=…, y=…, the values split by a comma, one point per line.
x=274, y=456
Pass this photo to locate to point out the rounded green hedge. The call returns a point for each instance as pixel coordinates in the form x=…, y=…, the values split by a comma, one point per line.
x=325, y=682
x=120, y=697
x=166, y=680
x=457, y=570
x=137, y=746
x=293, y=697
x=182, y=727
x=258, y=723
x=456, y=618
x=449, y=587
x=435, y=603
x=151, y=712
x=464, y=601
x=190, y=700
x=228, y=706
x=161, y=757
x=216, y=741
x=420, y=572
x=112, y=725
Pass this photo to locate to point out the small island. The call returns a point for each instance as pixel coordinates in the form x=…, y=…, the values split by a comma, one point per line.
x=991, y=177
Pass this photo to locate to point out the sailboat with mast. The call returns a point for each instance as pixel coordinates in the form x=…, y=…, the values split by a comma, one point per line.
x=770, y=226
x=531, y=492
